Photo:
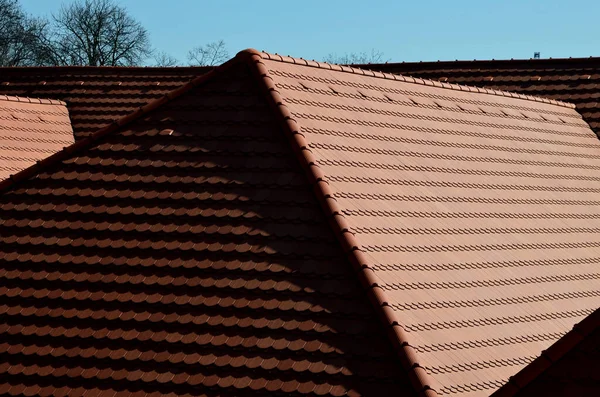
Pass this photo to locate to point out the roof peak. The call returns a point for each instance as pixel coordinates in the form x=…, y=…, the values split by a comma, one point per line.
x=422, y=382
x=399, y=77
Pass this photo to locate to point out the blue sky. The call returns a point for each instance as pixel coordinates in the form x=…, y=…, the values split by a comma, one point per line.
x=403, y=30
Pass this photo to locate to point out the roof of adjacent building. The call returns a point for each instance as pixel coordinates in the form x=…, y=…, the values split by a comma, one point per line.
x=96, y=96
x=328, y=230
x=570, y=367
x=30, y=131
x=575, y=80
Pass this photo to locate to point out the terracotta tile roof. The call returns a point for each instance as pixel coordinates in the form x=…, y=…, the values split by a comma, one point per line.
x=469, y=217
x=574, y=80
x=96, y=96
x=31, y=130
x=473, y=210
x=183, y=253
x=570, y=367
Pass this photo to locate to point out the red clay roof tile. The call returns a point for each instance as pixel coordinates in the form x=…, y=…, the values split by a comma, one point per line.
x=567, y=368
x=541, y=77
x=96, y=96
x=250, y=312
x=343, y=149
x=469, y=165
x=30, y=131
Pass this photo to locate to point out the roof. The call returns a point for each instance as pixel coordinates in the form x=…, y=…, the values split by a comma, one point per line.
x=181, y=251
x=440, y=188
x=96, y=96
x=567, y=368
x=30, y=131
x=575, y=80
x=468, y=217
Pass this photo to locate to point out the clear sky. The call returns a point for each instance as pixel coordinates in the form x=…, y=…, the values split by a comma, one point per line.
x=412, y=30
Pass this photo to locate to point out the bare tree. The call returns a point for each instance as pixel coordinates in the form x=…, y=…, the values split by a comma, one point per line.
x=20, y=36
x=356, y=58
x=210, y=54
x=97, y=33
x=163, y=59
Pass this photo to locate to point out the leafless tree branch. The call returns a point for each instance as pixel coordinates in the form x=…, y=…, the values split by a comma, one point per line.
x=211, y=54
x=20, y=35
x=356, y=58
x=163, y=59
x=97, y=33
x=87, y=32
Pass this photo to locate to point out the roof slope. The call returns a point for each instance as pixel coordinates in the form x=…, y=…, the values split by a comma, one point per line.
x=470, y=217
x=96, y=96
x=570, y=367
x=477, y=212
x=574, y=80
x=31, y=130
x=183, y=253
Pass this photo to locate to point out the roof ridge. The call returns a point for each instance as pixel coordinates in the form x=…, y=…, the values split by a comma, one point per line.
x=37, y=101
x=550, y=356
x=500, y=61
x=67, y=151
x=421, y=380
x=408, y=79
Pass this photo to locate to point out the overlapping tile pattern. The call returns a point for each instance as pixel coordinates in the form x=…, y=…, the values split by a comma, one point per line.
x=570, y=367
x=576, y=374
x=478, y=212
x=95, y=96
x=31, y=130
x=184, y=255
x=574, y=80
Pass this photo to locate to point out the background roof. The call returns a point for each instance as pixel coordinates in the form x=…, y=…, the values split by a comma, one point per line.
x=95, y=96
x=570, y=367
x=31, y=130
x=573, y=80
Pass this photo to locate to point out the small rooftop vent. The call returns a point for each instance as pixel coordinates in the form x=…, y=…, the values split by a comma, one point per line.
x=536, y=55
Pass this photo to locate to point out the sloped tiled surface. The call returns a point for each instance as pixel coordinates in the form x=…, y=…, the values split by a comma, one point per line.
x=572, y=80
x=31, y=130
x=577, y=372
x=478, y=212
x=95, y=96
x=184, y=255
